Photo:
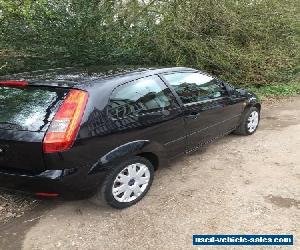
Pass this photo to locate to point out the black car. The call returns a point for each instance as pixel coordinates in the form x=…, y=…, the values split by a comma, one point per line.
x=73, y=133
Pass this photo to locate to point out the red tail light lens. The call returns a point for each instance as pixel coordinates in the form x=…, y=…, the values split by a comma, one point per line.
x=65, y=125
x=13, y=83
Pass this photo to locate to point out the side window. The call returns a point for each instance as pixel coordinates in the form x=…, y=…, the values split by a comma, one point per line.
x=195, y=87
x=142, y=96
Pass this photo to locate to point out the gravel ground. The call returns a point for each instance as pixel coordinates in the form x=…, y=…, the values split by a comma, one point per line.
x=237, y=185
x=14, y=206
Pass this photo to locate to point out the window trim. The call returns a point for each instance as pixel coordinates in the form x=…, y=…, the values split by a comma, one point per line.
x=204, y=101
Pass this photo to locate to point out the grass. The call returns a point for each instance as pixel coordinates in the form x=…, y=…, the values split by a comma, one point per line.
x=277, y=90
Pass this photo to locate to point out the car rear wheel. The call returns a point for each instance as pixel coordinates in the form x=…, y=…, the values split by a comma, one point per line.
x=249, y=122
x=127, y=184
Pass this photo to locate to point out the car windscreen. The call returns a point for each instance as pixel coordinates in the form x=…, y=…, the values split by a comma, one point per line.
x=29, y=108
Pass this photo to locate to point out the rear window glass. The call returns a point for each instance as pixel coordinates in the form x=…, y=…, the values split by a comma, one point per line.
x=29, y=108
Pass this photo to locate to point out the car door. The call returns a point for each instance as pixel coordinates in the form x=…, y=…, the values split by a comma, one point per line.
x=208, y=109
x=146, y=109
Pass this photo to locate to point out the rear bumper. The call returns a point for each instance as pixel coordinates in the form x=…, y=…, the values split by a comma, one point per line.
x=68, y=183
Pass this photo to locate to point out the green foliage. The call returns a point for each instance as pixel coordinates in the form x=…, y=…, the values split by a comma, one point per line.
x=277, y=90
x=243, y=41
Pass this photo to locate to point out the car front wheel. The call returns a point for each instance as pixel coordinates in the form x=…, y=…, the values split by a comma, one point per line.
x=249, y=122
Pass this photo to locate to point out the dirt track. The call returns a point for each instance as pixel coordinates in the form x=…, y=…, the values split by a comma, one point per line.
x=237, y=185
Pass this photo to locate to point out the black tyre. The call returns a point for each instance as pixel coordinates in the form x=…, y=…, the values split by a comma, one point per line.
x=249, y=122
x=127, y=184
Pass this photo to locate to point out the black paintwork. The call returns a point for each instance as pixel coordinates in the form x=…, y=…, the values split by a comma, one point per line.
x=103, y=142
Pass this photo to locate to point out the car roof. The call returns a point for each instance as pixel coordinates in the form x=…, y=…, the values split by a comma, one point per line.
x=89, y=77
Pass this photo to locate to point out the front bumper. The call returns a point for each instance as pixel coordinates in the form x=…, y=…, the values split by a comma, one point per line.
x=68, y=183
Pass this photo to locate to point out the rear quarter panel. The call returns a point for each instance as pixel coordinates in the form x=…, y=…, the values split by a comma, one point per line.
x=104, y=142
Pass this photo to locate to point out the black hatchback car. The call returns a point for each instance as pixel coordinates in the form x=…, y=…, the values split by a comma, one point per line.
x=66, y=134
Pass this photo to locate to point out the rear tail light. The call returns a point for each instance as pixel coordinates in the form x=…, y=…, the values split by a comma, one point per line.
x=13, y=83
x=65, y=125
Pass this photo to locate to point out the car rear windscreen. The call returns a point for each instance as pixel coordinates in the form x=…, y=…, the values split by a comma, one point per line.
x=28, y=108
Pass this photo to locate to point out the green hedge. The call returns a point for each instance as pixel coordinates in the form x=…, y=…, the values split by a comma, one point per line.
x=243, y=41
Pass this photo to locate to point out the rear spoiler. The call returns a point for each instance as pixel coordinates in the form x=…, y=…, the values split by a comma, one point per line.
x=42, y=83
x=13, y=83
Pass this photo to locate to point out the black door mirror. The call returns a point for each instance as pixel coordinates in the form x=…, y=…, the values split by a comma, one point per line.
x=230, y=89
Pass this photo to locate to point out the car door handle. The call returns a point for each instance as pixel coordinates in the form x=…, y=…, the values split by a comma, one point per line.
x=193, y=115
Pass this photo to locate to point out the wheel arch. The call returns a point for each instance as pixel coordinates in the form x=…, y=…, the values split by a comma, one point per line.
x=257, y=105
x=152, y=151
x=152, y=157
x=250, y=105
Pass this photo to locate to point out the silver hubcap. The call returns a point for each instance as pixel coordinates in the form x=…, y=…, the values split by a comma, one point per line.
x=131, y=182
x=253, y=121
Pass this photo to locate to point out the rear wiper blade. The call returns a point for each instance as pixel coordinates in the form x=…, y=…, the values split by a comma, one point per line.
x=9, y=125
